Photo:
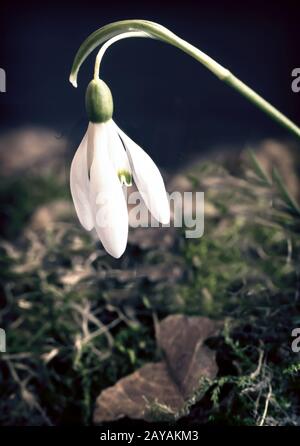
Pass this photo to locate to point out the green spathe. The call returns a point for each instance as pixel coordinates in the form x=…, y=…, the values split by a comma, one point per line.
x=98, y=101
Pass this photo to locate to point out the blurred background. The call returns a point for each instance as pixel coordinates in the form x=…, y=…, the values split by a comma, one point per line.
x=167, y=101
x=78, y=321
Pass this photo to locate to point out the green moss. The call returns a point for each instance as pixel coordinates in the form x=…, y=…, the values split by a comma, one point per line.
x=243, y=270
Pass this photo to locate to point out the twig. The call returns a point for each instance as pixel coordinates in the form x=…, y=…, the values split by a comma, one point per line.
x=262, y=421
x=256, y=372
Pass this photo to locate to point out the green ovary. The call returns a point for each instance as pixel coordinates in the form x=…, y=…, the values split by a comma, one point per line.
x=125, y=177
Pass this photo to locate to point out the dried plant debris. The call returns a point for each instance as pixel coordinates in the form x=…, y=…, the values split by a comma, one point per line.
x=77, y=321
x=168, y=384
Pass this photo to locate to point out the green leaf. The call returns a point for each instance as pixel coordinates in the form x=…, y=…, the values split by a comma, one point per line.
x=285, y=194
x=258, y=169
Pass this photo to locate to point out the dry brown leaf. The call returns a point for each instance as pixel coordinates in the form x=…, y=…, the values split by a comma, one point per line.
x=169, y=383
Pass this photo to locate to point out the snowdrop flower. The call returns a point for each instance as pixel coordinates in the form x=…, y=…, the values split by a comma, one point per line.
x=105, y=162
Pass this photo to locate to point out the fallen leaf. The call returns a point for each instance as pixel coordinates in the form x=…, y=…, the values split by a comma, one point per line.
x=169, y=383
x=182, y=338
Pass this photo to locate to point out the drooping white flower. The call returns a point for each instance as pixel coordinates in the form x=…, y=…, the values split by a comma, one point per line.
x=106, y=161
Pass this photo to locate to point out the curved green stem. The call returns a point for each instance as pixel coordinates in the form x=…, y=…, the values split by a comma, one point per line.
x=154, y=30
x=108, y=43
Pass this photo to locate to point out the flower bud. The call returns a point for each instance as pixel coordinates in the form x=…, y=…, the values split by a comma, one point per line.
x=98, y=101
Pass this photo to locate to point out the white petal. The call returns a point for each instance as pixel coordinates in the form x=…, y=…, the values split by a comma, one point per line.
x=79, y=184
x=106, y=198
x=117, y=152
x=148, y=179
